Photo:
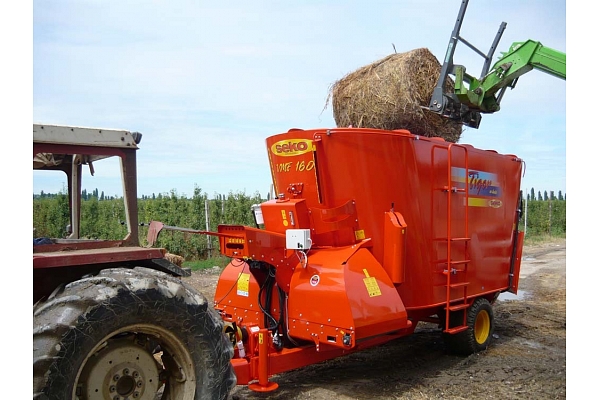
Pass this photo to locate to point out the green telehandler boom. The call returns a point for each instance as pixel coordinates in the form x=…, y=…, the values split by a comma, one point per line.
x=473, y=96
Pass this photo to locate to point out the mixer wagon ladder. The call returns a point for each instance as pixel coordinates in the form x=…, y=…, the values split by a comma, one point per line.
x=456, y=237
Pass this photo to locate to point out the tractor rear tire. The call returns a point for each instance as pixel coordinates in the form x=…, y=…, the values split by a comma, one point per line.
x=480, y=326
x=129, y=334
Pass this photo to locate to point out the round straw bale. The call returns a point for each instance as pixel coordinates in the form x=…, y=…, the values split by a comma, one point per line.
x=390, y=93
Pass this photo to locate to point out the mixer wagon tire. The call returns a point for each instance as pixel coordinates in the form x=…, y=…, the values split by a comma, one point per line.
x=128, y=334
x=480, y=326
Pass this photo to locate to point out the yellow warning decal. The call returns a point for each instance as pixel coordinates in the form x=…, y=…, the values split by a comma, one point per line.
x=243, y=284
x=284, y=217
x=371, y=285
x=359, y=235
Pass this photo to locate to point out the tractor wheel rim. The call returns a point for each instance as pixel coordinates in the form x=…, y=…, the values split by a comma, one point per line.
x=482, y=327
x=118, y=369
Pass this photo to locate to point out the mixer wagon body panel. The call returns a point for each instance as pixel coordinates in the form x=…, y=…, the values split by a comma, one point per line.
x=348, y=180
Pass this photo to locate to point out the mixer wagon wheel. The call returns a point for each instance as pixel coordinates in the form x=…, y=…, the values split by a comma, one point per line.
x=129, y=334
x=480, y=326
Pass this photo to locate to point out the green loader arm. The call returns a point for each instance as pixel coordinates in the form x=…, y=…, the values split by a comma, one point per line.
x=472, y=96
x=484, y=94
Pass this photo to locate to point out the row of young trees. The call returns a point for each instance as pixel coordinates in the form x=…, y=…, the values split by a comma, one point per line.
x=85, y=195
x=104, y=218
x=545, y=217
x=547, y=196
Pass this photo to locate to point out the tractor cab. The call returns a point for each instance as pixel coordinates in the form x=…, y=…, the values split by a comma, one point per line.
x=71, y=150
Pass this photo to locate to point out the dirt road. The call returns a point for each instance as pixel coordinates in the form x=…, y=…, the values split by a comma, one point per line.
x=526, y=360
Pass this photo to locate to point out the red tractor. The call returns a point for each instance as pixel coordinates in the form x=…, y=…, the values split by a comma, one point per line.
x=112, y=319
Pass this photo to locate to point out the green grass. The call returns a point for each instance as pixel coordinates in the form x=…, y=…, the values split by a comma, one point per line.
x=219, y=261
x=538, y=239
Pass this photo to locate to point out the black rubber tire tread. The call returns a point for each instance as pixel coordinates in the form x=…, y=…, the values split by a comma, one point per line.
x=464, y=343
x=71, y=323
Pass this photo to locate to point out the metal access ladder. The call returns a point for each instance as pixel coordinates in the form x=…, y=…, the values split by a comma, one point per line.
x=455, y=268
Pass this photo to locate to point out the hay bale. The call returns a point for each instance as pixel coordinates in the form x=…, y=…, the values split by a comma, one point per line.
x=389, y=93
x=175, y=259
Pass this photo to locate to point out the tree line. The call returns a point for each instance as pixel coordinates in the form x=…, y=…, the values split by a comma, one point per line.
x=544, y=215
x=85, y=195
x=104, y=217
x=531, y=195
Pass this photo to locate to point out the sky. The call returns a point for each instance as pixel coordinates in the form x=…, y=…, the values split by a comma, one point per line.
x=207, y=82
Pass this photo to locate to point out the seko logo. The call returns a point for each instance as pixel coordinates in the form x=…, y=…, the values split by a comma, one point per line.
x=292, y=147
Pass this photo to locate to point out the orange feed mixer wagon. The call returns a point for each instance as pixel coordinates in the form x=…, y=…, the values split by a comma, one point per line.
x=370, y=233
